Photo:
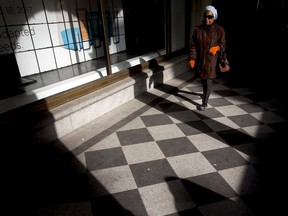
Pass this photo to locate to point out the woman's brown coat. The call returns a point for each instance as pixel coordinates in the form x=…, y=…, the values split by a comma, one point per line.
x=204, y=37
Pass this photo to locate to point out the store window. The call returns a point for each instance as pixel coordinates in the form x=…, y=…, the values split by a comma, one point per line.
x=46, y=42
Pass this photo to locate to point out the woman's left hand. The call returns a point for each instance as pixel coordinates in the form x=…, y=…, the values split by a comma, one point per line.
x=214, y=50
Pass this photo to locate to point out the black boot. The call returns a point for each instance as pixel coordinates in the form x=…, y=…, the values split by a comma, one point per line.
x=202, y=107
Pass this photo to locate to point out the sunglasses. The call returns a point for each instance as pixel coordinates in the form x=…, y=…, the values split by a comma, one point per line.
x=209, y=17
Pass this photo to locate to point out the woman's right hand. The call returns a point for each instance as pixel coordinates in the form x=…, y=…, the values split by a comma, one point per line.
x=191, y=63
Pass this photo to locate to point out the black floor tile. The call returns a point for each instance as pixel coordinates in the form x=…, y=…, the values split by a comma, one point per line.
x=134, y=136
x=224, y=158
x=105, y=158
x=245, y=120
x=194, y=127
x=157, y=119
x=252, y=108
x=208, y=188
x=217, y=102
x=176, y=146
x=236, y=137
x=209, y=113
x=172, y=107
x=151, y=172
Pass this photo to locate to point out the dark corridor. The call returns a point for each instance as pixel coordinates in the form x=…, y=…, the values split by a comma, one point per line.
x=256, y=31
x=144, y=25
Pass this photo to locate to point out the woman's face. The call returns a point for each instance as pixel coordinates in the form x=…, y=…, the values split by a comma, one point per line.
x=208, y=18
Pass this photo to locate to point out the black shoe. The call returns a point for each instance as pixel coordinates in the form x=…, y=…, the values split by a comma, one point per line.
x=201, y=107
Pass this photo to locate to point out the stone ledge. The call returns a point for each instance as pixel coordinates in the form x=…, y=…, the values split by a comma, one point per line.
x=64, y=119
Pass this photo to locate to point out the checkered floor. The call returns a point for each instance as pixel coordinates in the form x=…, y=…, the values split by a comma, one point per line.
x=158, y=155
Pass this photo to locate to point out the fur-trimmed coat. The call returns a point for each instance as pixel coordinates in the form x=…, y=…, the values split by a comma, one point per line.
x=204, y=37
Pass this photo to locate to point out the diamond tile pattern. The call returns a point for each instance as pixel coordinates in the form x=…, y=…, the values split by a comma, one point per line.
x=168, y=158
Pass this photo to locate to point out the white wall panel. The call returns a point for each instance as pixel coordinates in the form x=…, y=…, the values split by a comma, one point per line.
x=21, y=35
x=121, y=25
x=62, y=57
x=122, y=45
x=77, y=57
x=46, y=59
x=54, y=25
x=41, y=38
x=27, y=63
x=55, y=36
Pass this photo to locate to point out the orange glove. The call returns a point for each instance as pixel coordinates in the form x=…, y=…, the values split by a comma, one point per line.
x=213, y=50
x=191, y=63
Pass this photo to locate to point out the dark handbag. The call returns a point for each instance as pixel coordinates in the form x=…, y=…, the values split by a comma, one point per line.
x=223, y=63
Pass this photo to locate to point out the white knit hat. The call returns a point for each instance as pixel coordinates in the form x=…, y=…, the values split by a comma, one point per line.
x=212, y=9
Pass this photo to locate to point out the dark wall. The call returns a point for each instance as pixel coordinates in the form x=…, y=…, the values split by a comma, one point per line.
x=10, y=75
x=257, y=33
x=144, y=25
